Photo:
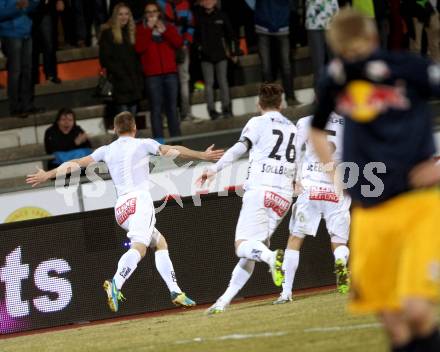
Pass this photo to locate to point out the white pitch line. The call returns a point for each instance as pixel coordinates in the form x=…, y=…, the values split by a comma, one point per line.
x=232, y=337
x=344, y=328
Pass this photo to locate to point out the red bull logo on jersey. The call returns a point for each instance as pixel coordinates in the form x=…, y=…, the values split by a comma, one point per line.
x=364, y=101
x=125, y=210
x=277, y=203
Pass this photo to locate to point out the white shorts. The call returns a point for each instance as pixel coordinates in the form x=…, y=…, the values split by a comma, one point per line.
x=134, y=212
x=260, y=215
x=321, y=202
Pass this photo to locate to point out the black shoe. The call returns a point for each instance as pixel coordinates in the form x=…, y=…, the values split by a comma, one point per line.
x=55, y=80
x=227, y=114
x=214, y=115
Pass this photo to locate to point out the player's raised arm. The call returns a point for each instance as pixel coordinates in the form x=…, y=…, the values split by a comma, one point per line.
x=210, y=154
x=42, y=176
x=232, y=154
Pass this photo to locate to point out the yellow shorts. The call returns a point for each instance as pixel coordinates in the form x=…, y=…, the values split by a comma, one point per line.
x=395, y=252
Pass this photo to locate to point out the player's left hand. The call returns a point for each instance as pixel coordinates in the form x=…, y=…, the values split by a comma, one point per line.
x=212, y=155
x=40, y=176
x=206, y=177
x=425, y=174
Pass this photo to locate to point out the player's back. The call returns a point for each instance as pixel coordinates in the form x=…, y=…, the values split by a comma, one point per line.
x=272, y=155
x=388, y=120
x=312, y=169
x=127, y=159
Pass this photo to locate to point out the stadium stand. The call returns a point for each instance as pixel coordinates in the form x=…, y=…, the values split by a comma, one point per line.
x=21, y=139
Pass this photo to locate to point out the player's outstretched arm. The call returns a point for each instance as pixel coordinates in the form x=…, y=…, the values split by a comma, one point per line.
x=42, y=176
x=210, y=154
x=425, y=174
x=232, y=154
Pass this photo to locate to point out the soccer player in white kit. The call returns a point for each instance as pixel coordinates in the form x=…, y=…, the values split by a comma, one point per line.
x=270, y=140
x=317, y=199
x=127, y=159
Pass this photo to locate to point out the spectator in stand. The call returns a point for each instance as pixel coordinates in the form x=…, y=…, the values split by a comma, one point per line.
x=44, y=40
x=137, y=7
x=242, y=20
x=215, y=40
x=15, y=34
x=65, y=139
x=118, y=56
x=272, y=24
x=157, y=42
x=11, y=9
x=88, y=13
x=397, y=28
x=178, y=12
x=379, y=10
x=424, y=15
x=65, y=31
x=382, y=17
x=318, y=16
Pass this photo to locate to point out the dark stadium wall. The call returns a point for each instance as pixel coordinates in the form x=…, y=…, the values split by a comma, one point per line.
x=52, y=270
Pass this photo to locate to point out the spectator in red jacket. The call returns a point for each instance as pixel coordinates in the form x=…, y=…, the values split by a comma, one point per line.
x=157, y=43
x=178, y=12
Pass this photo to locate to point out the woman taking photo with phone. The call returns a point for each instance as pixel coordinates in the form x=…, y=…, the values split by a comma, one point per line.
x=156, y=43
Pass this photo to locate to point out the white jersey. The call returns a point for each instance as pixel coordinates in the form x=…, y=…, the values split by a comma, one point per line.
x=312, y=173
x=127, y=159
x=272, y=157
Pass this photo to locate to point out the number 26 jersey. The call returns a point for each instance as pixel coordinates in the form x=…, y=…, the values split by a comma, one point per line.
x=272, y=155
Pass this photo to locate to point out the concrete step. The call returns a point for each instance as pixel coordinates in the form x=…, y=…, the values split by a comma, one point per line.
x=78, y=54
x=77, y=93
x=18, y=137
x=67, y=55
x=231, y=130
x=16, y=132
x=33, y=155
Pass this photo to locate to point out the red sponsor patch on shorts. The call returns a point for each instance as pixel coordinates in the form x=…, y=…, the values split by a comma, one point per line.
x=277, y=203
x=323, y=193
x=125, y=210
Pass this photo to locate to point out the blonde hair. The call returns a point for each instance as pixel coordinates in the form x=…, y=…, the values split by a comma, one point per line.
x=116, y=29
x=351, y=31
x=124, y=122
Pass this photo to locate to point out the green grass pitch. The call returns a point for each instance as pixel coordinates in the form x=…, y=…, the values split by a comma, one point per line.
x=311, y=323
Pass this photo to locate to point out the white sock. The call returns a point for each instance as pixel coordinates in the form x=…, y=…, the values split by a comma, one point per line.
x=240, y=275
x=342, y=252
x=165, y=268
x=126, y=266
x=255, y=250
x=290, y=264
